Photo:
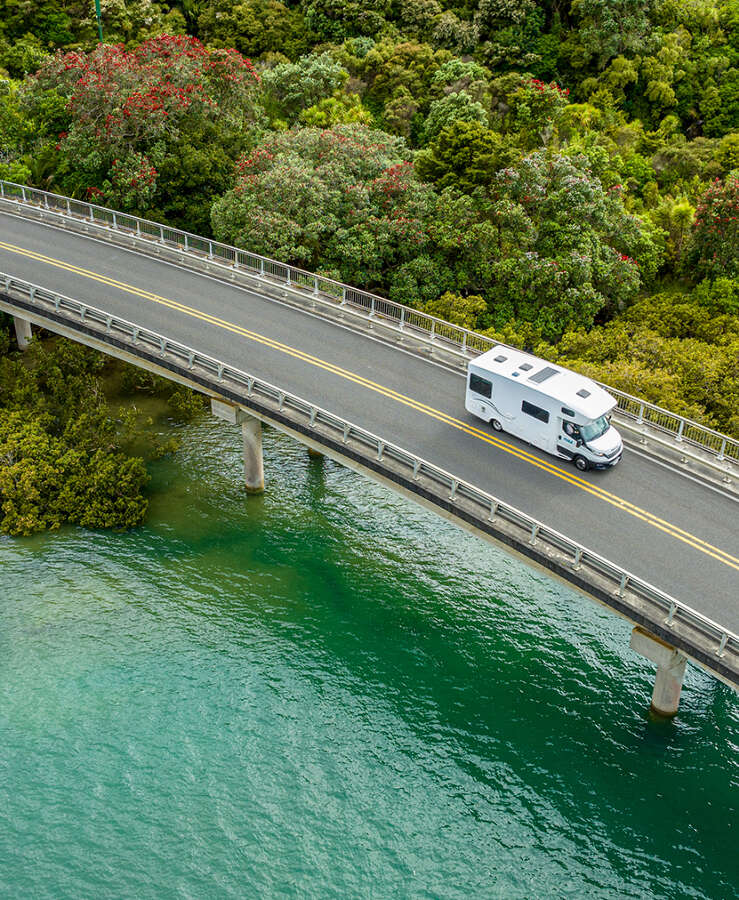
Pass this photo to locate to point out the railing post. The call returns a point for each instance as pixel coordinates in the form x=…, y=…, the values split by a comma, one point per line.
x=315, y=285
x=288, y=276
x=640, y=417
x=679, y=435
x=721, y=452
x=724, y=641
x=115, y=222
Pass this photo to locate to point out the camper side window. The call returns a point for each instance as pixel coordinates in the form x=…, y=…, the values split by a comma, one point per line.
x=536, y=411
x=481, y=386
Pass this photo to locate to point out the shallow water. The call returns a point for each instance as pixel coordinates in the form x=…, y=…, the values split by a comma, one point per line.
x=329, y=692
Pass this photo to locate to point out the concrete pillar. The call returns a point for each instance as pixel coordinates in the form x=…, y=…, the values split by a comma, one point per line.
x=22, y=332
x=251, y=431
x=670, y=670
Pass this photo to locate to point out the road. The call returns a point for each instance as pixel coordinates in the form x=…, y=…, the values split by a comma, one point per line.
x=677, y=533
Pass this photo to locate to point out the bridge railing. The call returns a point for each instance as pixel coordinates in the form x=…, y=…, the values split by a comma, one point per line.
x=665, y=608
x=454, y=338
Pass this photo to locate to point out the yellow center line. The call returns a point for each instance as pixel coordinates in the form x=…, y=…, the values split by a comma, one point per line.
x=569, y=477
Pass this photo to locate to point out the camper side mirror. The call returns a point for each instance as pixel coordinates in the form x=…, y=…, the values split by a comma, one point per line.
x=579, y=442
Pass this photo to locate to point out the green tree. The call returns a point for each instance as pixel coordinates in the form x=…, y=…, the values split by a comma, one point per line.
x=339, y=109
x=567, y=248
x=335, y=20
x=254, y=27
x=293, y=87
x=458, y=107
x=466, y=155
x=61, y=457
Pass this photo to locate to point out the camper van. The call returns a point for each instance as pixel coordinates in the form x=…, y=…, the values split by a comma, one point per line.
x=547, y=405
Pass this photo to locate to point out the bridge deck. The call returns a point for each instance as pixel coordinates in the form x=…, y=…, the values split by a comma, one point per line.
x=679, y=534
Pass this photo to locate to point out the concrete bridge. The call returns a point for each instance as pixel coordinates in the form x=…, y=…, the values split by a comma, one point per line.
x=380, y=388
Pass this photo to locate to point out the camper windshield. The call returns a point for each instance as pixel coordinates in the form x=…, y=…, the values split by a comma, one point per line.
x=594, y=429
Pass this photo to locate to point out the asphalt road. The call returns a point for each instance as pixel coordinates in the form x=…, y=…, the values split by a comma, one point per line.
x=676, y=533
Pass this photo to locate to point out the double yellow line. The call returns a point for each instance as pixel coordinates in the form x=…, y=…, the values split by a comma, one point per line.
x=570, y=477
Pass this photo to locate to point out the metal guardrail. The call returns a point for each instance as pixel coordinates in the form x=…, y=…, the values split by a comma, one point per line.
x=666, y=608
x=453, y=338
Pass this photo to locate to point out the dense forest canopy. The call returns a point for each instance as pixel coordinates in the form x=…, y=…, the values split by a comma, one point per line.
x=561, y=174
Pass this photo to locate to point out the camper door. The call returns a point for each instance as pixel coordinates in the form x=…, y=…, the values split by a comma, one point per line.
x=539, y=424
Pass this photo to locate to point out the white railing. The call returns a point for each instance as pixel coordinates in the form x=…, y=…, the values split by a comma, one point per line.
x=485, y=507
x=453, y=338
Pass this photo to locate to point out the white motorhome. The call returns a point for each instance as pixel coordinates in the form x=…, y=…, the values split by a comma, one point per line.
x=547, y=405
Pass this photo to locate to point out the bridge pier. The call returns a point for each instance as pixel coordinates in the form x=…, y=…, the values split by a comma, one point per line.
x=668, y=682
x=251, y=431
x=22, y=332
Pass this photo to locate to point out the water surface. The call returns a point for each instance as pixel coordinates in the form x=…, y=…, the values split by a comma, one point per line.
x=328, y=692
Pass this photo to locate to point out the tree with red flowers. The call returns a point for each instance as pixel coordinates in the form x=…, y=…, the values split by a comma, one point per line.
x=714, y=242
x=142, y=123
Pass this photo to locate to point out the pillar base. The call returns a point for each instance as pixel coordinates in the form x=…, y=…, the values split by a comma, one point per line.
x=668, y=681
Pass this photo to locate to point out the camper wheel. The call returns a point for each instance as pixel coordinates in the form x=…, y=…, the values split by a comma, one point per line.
x=496, y=425
x=581, y=463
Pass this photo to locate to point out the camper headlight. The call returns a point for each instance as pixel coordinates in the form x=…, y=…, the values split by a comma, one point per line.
x=596, y=452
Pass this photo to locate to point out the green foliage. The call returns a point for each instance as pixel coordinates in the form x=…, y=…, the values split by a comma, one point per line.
x=292, y=87
x=465, y=155
x=568, y=249
x=339, y=109
x=165, y=100
x=492, y=195
x=253, y=27
x=335, y=20
x=318, y=197
x=465, y=311
x=457, y=107
x=676, y=350
x=183, y=404
x=60, y=451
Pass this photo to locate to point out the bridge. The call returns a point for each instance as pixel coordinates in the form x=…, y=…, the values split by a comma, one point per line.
x=380, y=388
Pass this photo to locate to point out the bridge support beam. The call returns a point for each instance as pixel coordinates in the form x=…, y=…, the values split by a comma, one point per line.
x=670, y=670
x=22, y=332
x=251, y=431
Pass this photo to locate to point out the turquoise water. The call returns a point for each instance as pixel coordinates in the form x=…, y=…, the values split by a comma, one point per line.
x=328, y=692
